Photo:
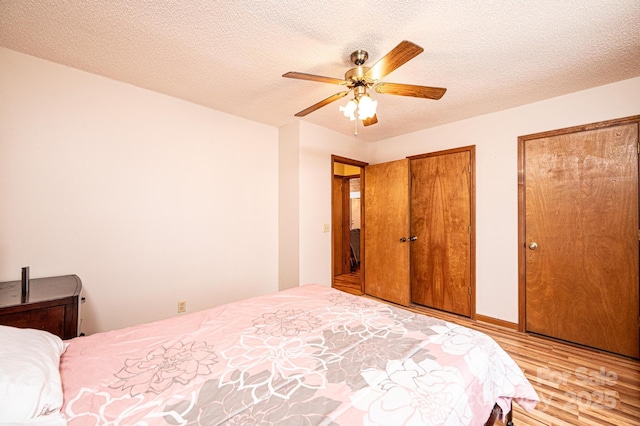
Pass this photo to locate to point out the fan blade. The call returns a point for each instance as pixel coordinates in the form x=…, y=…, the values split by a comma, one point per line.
x=322, y=103
x=400, y=55
x=312, y=77
x=370, y=121
x=410, y=90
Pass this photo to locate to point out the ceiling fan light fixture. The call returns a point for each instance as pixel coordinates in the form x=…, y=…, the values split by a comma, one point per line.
x=349, y=110
x=366, y=107
x=362, y=107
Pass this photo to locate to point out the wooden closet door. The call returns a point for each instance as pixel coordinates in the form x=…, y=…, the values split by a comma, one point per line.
x=441, y=257
x=581, y=237
x=386, y=222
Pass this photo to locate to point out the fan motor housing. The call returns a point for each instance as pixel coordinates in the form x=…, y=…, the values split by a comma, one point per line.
x=356, y=76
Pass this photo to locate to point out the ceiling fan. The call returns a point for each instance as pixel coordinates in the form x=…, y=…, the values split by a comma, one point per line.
x=361, y=78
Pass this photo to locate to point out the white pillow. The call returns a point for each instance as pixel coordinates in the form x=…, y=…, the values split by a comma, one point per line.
x=30, y=384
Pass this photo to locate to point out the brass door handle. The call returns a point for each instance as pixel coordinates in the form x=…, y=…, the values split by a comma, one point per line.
x=403, y=240
x=533, y=245
x=413, y=238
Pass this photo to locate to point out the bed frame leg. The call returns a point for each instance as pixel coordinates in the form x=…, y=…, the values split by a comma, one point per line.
x=509, y=417
x=496, y=413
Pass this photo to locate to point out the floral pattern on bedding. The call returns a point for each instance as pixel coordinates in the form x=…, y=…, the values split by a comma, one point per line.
x=289, y=322
x=218, y=403
x=306, y=356
x=414, y=393
x=285, y=365
x=162, y=367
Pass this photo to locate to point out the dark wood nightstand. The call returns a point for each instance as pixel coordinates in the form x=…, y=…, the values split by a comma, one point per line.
x=52, y=305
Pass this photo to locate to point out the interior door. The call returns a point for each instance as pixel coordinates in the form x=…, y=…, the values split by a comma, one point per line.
x=441, y=257
x=581, y=237
x=386, y=228
x=337, y=220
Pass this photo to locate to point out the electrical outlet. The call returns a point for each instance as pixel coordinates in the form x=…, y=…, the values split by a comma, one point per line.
x=182, y=306
x=326, y=227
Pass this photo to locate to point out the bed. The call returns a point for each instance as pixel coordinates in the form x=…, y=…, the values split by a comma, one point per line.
x=305, y=356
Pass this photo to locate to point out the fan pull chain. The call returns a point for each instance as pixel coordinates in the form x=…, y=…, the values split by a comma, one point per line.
x=355, y=130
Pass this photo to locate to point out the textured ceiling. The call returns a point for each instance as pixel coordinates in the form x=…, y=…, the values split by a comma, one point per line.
x=230, y=55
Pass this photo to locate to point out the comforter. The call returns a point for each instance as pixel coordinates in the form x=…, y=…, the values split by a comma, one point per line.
x=305, y=356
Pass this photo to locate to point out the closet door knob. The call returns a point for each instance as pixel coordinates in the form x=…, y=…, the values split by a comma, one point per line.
x=533, y=246
x=413, y=238
x=403, y=240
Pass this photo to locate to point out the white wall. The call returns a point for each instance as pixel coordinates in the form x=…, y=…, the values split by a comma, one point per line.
x=317, y=144
x=289, y=206
x=149, y=199
x=495, y=136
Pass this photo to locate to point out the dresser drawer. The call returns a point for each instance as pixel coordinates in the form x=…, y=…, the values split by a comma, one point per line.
x=49, y=319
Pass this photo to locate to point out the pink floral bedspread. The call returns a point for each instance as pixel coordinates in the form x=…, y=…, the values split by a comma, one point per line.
x=305, y=356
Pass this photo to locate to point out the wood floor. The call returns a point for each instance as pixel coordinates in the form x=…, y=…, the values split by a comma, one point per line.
x=349, y=283
x=576, y=385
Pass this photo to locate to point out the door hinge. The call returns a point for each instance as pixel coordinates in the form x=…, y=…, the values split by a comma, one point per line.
x=470, y=164
x=638, y=234
x=469, y=291
x=470, y=231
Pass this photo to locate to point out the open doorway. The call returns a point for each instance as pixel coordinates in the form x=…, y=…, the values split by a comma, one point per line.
x=346, y=214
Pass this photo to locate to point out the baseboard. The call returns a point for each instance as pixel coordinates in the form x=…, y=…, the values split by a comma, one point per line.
x=498, y=322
